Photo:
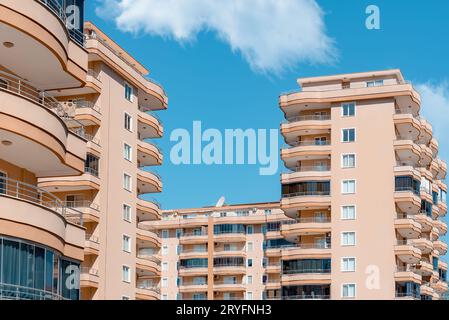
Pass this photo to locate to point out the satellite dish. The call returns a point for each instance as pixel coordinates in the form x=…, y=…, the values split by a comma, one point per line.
x=220, y=202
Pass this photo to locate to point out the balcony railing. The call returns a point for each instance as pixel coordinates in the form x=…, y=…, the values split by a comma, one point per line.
x=307, y=297
x=80, y=104
x=194, y=250
x=311, y=117
x=194, y=234
x=81, y=204
x=94, y=74
x=306, y=194
x=314, y=220
x=16, y=292
x=89, y=271
x=308, y=143
x=91, y=171
x=92, y=238
x=58, y=10
x=306, y=271
x=319, y=168
x=13, y=84
x=412, y=295
x=325, y=245
x=147, y=285
x=24, y=191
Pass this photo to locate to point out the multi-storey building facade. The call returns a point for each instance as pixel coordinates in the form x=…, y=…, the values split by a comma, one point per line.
x=366, y=189
x=86, y=147
x=220, y=253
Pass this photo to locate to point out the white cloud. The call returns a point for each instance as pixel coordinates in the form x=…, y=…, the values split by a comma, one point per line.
x=435, y=108
x=272, y=35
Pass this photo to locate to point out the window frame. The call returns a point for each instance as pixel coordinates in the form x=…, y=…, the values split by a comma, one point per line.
x=125, y=174
x=343, y=155
x=342, y=239
x=343, y=111
x=346, y=206
x=342, y=290
x=129, y=273
x=343, y=135
x=125, y=122
x=130, y=159
x=127, y=250
x=342, y=264
x=347, y=181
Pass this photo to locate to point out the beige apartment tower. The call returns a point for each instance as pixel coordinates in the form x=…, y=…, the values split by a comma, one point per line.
x=76, y=116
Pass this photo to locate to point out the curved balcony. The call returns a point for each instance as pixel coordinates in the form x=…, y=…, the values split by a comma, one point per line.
x=306, y=250
x=407, y=151
x=305, y=226
x=148, y=182
x=306, y=172
x=84, y=112
x=426, y=131
x=193, y=238
x=425, y=221
x=408, y=200
x=302, y=150
x=407, y=227
x=33, y=124
x=300, y=125
x=36, y=215
x=407, y=98
x=148, y=154
x=90, y=211
x=443, y=170
x=88, y=181
x=424, y=268
x=423, y=244
x=292, y=202
x=38, y=29
x=89, y=278
x=149, y=126
x=434, y=146
x=441, y=226
x=146, y=236
x=440, y=286
x=92, y=245
x=407, y=170
x=407, y=124
x=407, y=274
x=148, y=264
x=145, y=290
x=440, y=246
x=407, y=251
x=148, y=210
x=426, y=155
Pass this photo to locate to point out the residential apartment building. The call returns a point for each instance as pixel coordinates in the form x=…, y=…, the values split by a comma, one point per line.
x=220, y=253
x=366, y=188
x=95, y=104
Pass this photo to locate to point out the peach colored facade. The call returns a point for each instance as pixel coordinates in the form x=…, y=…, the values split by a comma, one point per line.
x=365, y=185
x=218, y=253
x=75, y=127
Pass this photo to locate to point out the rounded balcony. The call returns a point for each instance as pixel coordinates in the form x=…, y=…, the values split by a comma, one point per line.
x=149, y=126
x=148, y=182
x=148, y=154
x=407, y=251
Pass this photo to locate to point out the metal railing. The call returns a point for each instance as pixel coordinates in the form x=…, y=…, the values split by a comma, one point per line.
x=151, y=258
x=194, y=283
x=326, y=245
x=230, y=282
x=306, y=271
x=225, y=265
x=307, y=297
x=147, y=285
x=152, y=200
x=319, y=168
x=78, y=204
x=314, y=220
x=194, y=250
x=30, y=193
x=58, y=10
x=80, y=104
x=311, y=117
x=17, y=292
x=159, y=149
x=91, y=138
x=194, y=234
x=92, y=238
x=307, y=143
x=91, y=171
x=306, y=194
x=413, y=295
x=89, y=271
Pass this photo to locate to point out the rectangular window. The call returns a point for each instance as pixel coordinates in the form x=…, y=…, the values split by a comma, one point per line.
x=178, y=233
x=249, y=296
x=348, y=160
x=249, y=279
x=348, y=186
x=164, y=297
x=348, y=264
x=374, y=83
x=128, y=92
x=348, y=212
x=126, y=212
x=126, y=244
x=348, y=238
x=164, y=234
x=164, y=266
x=348, y=290
x=348, y=109
x=125, y=298
x=126, y=274
x=127, y=152
x=127, y=182
x=164, y=282
x=128, y=122
x=348, y=135
x=249, y=229
x=249, y=247
x=164, y=248
x=250, y=262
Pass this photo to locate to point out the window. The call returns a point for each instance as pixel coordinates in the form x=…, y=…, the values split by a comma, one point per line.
x=348, y=109
x=3, y=182
x=348, y=135
x=126, y=212
x=348, y=186
x=164, y=234
x=249, y=229
x=126, y=274
x=164, y=297
x=164, y=248
x=128, y=122
x=348, y=212
x=375, y=83
x=128, y=92
x=126, y=243
x=125, y=298
x=127, y=182
x=249, y=247
x=348, y=239
x=249, y=296
x=250, y=262
x=178, y=233
x=164, y=266
x=348, y=264
x=267, y=211
x=127, y=152
x=348, y=290
x=249, y=279
x=164, y=282
x=91, y=165
x=348, y=160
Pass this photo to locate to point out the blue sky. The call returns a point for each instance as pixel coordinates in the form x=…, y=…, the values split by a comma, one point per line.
x=206, y=80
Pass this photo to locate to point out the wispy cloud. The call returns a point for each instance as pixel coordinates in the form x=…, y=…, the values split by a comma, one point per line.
x=271, y=35
x=435, y=108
